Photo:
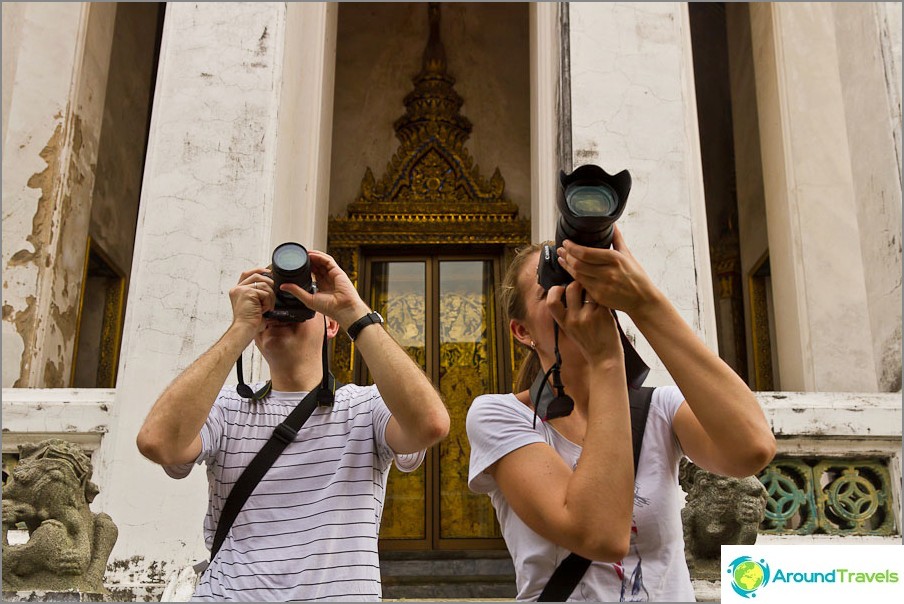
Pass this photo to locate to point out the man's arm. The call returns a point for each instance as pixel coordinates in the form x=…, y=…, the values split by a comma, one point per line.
x=419, y=417
x=171, y=432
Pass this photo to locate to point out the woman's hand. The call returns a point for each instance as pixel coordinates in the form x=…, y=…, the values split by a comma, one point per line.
x=590, y=325
x=612, y=277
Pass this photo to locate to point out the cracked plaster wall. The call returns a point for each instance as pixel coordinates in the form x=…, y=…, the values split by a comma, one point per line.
x=50, y=150
x=633, y=107
x=204, y=217
x=819, y=290
x=871, y=95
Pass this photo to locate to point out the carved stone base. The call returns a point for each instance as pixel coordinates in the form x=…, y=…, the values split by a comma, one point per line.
x=706, y=569
x=54, y=596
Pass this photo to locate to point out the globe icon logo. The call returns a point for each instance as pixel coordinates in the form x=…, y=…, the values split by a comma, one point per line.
x=748, y=575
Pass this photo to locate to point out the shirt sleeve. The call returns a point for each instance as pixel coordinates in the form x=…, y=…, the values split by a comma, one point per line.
x=666, y=401
x=211, y=436
x=496, y=425
x=407, y=462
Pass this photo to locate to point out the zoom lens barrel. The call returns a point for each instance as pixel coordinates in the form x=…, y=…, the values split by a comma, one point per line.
x=290, y=263
x=590, y=201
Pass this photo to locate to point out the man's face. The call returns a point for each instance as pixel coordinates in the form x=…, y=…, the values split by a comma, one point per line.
x=289, y=337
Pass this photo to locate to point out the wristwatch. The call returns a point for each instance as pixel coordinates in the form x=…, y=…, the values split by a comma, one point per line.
x=369, y=319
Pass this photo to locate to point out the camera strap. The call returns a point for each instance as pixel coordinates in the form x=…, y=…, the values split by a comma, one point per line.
x=325, y=393
x=571, y=570
x=283, y=434
x=251, y=476
x=550, y=407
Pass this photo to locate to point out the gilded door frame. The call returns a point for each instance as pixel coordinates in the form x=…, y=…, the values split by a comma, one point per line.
x=353, y=241
x=432, y=259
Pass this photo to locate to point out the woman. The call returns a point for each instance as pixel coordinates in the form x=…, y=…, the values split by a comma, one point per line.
x=568, y=485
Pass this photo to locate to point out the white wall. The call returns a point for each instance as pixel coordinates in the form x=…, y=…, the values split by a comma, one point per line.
x=634, y=107
x=206, y=206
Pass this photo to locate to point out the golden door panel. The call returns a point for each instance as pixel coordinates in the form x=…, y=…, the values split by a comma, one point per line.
x=398, y=292
x=442, y=312
x=467, y=369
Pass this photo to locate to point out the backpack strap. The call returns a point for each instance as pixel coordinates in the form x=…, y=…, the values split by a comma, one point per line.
x=570, y=571
x=254, y=471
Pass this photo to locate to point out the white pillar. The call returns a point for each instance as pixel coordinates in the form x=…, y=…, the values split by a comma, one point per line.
x=871, y=88
x=205, y=215
x=53, y=102
x=544, y=117
x=301, y=212
x=634, y=107
x=820, y=300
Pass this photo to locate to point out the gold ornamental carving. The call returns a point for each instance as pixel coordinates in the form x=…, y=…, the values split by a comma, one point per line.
x=432, y=192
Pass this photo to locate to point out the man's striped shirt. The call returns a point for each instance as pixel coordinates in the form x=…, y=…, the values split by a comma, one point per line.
x=309, y=531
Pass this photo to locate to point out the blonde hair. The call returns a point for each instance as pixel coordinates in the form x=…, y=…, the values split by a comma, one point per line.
x=512, y=301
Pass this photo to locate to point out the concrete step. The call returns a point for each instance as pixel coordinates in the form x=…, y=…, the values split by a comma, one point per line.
x=482, y=575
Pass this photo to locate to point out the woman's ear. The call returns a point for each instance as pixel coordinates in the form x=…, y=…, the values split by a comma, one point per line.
x=521, y=333
x=332, y=328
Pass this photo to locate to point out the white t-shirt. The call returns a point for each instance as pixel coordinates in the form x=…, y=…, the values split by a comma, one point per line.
x=309, y=530
x=655, y=567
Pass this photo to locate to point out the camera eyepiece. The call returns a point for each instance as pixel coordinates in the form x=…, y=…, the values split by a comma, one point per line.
x=590, y=200
x=290, y=264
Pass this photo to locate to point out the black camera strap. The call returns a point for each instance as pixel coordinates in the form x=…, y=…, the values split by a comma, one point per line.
x=282, y=435
x=571, y=570
x=251, y=476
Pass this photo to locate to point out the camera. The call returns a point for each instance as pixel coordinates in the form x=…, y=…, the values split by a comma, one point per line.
x=590, y=200
x=290, y=264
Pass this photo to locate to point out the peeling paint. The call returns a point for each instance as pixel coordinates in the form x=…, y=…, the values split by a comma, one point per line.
x=590, y=153
x=42, y=223
x=53, y=375
x=25, y=324
x=262, y=42
x=65, y=321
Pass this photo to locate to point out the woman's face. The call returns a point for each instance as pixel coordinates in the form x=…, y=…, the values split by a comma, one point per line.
x=539, y=321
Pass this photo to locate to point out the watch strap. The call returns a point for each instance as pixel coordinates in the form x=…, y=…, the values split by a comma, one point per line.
x=369, y=319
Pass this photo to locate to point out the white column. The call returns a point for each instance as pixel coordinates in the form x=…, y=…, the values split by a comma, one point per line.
x=871, y=89
x=53, y=103
x=634, y=107
x=820, y=300
x=544, y=117
x=206, y=207
x=301, y=211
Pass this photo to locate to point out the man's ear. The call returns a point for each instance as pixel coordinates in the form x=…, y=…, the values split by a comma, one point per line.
x=520, y=332
x=332, y=328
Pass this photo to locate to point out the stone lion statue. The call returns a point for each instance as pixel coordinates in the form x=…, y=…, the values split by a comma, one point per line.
x=719, y=511
x=49, y=490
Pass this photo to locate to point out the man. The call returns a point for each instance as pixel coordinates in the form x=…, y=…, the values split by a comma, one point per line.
x=309, y=530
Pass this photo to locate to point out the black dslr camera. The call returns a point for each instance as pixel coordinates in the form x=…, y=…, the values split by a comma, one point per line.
x=590, y=201
x=290, y=264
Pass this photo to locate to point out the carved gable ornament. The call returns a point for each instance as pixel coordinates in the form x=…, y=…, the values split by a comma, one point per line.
x=432, y=192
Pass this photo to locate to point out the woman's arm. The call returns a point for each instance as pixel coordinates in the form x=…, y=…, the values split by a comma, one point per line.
x=587, y=509
x=722, y=428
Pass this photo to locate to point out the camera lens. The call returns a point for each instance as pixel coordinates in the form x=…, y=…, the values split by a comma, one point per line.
x=289, y=257
x=586, y=200
x=290, y=264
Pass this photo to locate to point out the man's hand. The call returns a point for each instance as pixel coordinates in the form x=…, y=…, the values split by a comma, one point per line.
x=251, y=298
x=336, y=297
